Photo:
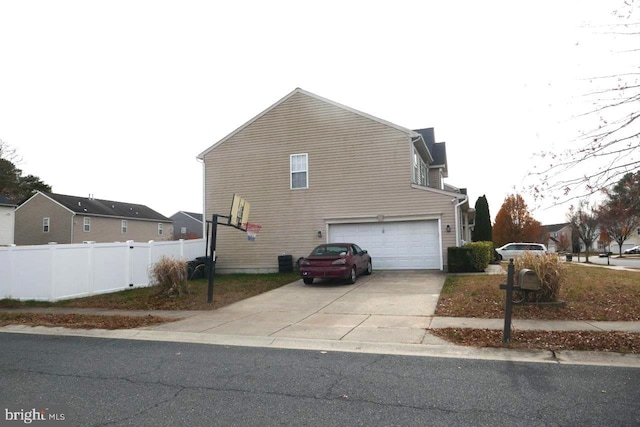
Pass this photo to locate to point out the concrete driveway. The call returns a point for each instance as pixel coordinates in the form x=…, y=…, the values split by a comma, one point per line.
x=385, y=307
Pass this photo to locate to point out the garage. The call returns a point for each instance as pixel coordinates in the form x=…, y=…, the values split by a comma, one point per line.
x=401, y=245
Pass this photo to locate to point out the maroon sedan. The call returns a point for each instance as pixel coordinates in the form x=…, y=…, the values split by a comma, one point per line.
x=335, y=261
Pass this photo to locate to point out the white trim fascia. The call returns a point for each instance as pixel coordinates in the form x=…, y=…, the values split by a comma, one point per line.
x=189, y=216
x=438, y=191
x=44, y=195
x=319, y=98
x=386, y=218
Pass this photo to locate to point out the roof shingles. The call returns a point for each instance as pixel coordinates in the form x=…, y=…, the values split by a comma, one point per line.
x=98, y=207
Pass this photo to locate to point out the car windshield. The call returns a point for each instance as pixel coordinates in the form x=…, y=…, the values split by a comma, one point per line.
x=330, y=250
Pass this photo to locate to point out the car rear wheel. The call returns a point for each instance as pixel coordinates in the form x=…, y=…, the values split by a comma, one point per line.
x=353, y=276
x=308, y=280
x=369, y=268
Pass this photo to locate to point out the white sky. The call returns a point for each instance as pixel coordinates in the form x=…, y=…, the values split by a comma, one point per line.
x=117, y=98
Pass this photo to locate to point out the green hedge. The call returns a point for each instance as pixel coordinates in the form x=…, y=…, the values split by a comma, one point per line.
x=472, y=257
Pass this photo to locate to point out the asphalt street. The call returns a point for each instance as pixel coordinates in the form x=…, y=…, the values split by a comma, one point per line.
x=116, y=382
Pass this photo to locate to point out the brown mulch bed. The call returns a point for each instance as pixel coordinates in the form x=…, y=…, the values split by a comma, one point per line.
x=81, y=321
x=620, y=342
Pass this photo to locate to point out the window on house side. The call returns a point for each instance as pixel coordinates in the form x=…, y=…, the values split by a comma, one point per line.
x=419, y=170
x=183, y=230
x=45, y=225
x=159, y=229
x=299, y=171
x=123, y=226
x=87, y=224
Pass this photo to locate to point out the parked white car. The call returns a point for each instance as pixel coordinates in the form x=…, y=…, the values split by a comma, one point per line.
x=633, y=250
x=513, y=250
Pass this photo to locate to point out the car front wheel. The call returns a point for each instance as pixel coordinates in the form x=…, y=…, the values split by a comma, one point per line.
x=308, y=280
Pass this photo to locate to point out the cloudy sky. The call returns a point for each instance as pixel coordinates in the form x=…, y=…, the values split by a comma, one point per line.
x=117, y=98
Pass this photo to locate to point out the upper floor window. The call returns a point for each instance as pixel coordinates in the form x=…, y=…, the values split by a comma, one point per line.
x=160, y=229
x=123, y=226
x=87, y=224
x=45, y=225
x=299, y=171
x=419, y=170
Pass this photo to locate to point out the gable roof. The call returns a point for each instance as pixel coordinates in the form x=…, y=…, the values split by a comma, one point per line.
x=557, y=227
x=438, y=150
x=319, y=98
x=108, y=208
x=4, y=201
x=193, y=215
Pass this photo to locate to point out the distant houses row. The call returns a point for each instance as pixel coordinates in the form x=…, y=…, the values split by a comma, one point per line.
x=56, y=218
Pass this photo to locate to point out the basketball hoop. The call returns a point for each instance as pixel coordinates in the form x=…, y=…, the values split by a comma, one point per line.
x=252, y=230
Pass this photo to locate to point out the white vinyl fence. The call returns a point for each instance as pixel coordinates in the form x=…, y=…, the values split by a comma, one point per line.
x=55, y=272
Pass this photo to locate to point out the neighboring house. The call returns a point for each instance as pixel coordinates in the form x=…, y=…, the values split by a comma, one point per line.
x=49, y=217
x=187, y=225
x=560, y=236
x=316, y=171
x=7, y=221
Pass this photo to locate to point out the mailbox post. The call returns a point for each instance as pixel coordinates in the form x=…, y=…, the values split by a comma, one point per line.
x=506, y=336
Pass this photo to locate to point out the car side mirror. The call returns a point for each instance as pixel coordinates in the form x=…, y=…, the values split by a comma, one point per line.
x=365, y=251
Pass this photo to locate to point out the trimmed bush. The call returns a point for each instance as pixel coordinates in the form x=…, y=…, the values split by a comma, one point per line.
x=169, y=275
x=482, y=253
x=549, y=270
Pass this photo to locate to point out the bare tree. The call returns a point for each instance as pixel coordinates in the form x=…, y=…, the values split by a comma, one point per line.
x=611, y=147
x=584, y=222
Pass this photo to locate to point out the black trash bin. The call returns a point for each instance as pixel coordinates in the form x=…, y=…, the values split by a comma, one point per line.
x=285, y=263
x=568, y=257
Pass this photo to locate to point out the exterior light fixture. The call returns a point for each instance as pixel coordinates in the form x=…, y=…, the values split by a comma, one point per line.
x=319, y=234
x=448, y=228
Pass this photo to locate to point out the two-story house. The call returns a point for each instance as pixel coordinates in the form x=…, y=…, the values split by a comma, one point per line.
x=316, y=171
x=7, y=221
x=50, y=217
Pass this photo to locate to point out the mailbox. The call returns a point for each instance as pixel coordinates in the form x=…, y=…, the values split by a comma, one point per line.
x=528, y=280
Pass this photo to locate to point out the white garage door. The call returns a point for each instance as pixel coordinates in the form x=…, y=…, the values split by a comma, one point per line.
x=394, y=245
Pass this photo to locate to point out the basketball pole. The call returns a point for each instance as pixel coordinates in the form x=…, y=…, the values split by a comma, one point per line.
x=212, y=259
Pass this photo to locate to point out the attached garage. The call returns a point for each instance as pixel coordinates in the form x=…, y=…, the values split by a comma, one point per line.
x=399, y=245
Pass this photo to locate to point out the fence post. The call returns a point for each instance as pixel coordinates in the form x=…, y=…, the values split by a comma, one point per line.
x=52, y=276
x=182, y=249
x=129, y=264
x=90, y=276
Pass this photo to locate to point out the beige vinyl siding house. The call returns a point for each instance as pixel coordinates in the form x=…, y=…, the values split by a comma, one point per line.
x=49, y=217
x=360, y=182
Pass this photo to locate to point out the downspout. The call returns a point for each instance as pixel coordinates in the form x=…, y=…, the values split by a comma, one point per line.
x=204, y=198
x=73, y=215
x=456, y=208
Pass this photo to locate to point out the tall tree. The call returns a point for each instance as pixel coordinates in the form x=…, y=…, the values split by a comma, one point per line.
x=585, y=224
x=610, y=147
x=482, y=231
x=514, y=223
x=13, y=184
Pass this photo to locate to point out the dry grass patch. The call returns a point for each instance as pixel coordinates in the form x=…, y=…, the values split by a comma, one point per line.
x=591, y=293
x=229, y=288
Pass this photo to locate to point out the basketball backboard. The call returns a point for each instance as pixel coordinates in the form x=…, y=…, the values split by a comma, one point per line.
x=239, y=214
